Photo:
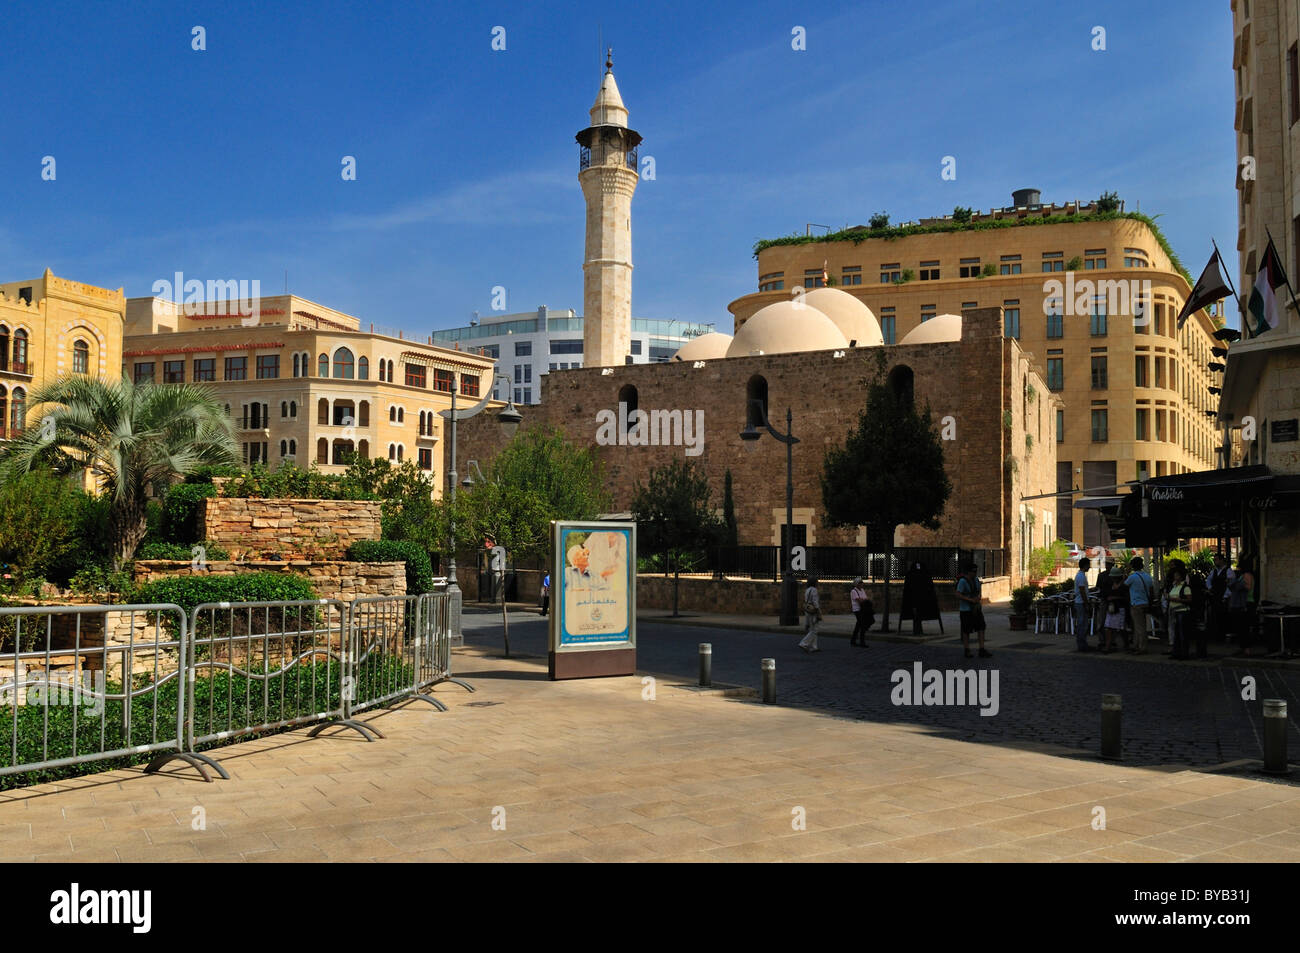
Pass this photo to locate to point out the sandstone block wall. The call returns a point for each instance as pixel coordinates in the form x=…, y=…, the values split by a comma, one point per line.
x=317, y=529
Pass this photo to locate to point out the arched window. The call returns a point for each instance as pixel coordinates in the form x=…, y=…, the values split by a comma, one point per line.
x=4, y=408
x=80, y=357
x=20, y=351
x=902, y=383
x=399, y=453
x=18, y=411
x=345, y=414
x=293, y=408
x=401, y=415
x=4, y=351
x=390, y=372
x=421, y=424
x=295, y=365
x=628, y=403
x=392, y=451
x=756, y=390
x=342, y=452
x=323, y=411
x=363, y=369
x=363, y=414
x=227, y=410
x=323, y=366
x=284, y=448
x=293, y=448
x=363, y=449
x=284, y=412
x=392, y=415
x=322, y=450
x=343, y=364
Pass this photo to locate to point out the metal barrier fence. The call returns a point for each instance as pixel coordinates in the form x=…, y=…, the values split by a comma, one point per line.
x=260, y=666
x=89, y=683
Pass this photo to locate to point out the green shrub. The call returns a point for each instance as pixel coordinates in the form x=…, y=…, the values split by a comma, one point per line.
x=1022, y=597
x=1180, y=554
x=1203, y=561
x=157, y=549
x=101, y=581
x=292, y=482
x=190, y=591
x=419, y=569
x=41, y=521
x=181, y=508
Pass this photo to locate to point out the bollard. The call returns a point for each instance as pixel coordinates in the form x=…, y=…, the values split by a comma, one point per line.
x=1275, y=736
x=1112, y=710
x=706, y=664
x=769, y=681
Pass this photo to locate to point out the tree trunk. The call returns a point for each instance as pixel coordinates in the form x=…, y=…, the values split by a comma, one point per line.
x=505, y=616
x=677, y=574
x=129, y=526
x=889, y=558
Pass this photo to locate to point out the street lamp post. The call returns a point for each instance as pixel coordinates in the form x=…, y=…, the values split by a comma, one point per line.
x=751, y=435
x=509, y=418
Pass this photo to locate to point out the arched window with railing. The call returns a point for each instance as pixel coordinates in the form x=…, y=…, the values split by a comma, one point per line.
x=20, y=351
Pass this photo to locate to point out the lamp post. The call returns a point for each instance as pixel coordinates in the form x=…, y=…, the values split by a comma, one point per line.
x=751, y=435
x=509, y=418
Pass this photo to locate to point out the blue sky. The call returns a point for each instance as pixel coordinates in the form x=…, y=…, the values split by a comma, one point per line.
x=226, y=163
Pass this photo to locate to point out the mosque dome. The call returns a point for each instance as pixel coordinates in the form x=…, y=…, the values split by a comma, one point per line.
x=851, y=316
x=706, y=347
x=786, y=327
x=944, y=327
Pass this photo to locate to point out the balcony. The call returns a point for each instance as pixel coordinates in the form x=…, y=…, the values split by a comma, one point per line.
x=25, y=370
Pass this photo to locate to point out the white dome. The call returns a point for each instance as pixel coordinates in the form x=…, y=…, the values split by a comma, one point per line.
x=706, y=347
x=944, y=327
x=786, y=327
x=850, y=315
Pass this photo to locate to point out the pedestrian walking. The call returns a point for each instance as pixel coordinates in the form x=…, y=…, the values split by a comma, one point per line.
x=1218, y=583
x=1180, y=608
x=812, y=616
x=971, y=609
x=1242, y=600
x=546, y=594
x=1082, y=606
x=1140, y=597
x=1114, y=621
x=864, y=614
x=1110, y=587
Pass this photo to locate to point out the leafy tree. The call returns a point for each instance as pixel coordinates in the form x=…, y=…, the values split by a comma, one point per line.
x=889, y=473
x=513, y=515
x=1108, y=202
x=962, y=214
x=675, y=516
x=730, y=532
x=879, y=220
x=41, y=524
x=130, y=438
x=570, y=479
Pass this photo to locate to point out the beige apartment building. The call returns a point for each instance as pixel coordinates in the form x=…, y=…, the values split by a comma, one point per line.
x=1092, y=298
x=1261, y=388
x=51, y=327
x=305, y=383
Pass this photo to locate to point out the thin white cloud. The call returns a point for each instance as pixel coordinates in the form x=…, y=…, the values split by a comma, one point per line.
x=517, y=199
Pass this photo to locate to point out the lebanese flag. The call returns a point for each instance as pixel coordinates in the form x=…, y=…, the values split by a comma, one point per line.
x=1262, y=305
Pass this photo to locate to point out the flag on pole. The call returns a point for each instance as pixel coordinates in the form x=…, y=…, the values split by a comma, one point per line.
x=1210, y=287
x=1262, y=306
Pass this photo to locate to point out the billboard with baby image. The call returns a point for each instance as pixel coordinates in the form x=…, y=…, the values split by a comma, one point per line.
x=594, y=571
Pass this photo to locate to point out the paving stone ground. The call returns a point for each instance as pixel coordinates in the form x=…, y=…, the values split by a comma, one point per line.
x=593, y=771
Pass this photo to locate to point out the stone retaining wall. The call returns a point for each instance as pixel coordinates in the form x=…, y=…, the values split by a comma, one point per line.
x=319, y=529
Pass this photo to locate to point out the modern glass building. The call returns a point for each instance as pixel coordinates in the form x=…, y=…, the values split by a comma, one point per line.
x=532, y=343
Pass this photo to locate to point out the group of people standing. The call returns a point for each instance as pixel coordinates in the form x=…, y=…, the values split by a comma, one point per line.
x=1222, y=603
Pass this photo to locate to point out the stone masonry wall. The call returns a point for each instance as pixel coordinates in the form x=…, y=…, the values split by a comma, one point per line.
x=319, y=529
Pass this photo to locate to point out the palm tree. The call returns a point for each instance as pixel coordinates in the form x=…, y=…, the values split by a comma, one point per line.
x=132, y=438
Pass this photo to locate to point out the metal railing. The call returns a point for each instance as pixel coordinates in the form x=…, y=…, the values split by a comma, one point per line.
x=80, y=684
x=847, y=562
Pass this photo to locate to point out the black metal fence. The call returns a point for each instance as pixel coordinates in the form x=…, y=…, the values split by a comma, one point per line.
x=847, y=562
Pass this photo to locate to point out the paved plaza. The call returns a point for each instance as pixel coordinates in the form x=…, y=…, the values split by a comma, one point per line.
x=526, y=769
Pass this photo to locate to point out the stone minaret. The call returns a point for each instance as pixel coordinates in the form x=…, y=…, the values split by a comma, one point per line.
x=608, y=173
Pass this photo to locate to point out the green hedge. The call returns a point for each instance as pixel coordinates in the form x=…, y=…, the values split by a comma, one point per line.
x=190, y=591
x=180, y=516
x=419, y=568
